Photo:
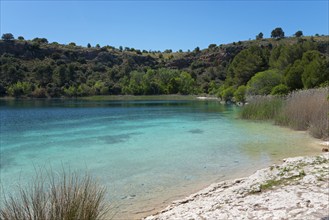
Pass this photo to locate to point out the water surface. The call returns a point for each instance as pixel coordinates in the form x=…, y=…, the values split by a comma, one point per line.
x=147, y=153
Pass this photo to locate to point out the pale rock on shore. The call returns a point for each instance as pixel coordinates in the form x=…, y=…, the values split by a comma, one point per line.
x=296, y=189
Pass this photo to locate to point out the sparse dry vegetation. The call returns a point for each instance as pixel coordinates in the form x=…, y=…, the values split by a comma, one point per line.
x=55, y=196
x=307, y=110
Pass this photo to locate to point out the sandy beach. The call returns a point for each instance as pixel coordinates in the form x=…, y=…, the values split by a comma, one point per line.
x=296, y=189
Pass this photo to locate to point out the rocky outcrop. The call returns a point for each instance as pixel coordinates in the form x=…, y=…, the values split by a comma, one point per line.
x=296, y=189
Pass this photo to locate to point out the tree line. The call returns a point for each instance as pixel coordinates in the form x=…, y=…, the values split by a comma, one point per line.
x=275, y=66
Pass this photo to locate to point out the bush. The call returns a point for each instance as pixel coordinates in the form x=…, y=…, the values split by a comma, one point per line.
x=20, y=89
x=63, y=196
x=240, y=93
x=263, y=82
x=227, y=94
x=39, y=93
x=280, y=90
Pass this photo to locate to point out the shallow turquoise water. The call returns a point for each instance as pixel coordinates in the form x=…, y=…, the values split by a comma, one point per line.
x=146, y=152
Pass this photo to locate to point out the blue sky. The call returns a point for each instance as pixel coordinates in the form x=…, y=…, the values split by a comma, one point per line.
x=160, y=25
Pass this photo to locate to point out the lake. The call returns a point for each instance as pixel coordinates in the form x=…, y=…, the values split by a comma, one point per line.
x=147, y=153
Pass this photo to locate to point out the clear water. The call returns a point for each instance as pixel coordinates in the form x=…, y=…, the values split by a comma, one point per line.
x=147, y=153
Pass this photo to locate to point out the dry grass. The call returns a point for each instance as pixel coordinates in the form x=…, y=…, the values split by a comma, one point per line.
x=307, y=110
x=55, y=196
x=300, y=110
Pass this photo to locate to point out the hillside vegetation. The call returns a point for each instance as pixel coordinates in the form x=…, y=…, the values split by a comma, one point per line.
x=37, y=68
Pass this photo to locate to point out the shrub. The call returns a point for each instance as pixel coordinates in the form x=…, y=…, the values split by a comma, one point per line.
x=63, y=196
x=280, y=90
x=227, y=94
x=39, y=93
x=239, y=94
x=263, y=82
x=20, y=89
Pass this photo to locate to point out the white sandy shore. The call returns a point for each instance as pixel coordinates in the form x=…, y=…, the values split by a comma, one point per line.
x=207, y=98
x=296, y=189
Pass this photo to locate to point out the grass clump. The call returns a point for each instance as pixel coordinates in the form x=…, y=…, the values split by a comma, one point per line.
x=49, y=197
x=262, y=107
x=273, y=183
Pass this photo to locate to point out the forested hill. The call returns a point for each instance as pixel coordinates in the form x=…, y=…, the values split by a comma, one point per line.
x=36, y=68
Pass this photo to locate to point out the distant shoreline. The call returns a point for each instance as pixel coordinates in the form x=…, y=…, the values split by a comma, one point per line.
x=116, y=98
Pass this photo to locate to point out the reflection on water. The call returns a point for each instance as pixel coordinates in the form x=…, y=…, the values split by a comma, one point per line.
x=146, y=152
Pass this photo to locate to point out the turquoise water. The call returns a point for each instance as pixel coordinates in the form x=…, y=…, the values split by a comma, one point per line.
x=147, y=153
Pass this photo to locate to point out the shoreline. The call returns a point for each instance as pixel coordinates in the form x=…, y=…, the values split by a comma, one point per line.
x=298, y=187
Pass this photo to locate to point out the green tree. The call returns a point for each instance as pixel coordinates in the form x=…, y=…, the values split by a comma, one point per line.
x=20, y=38
x=7, y=37
x=259, y=36
x=277, y=33
x=70, y=91
x=168, y=51
x=316, y=69
x=89, y=45
x=298, y=34
x=59, y=75
x=43, y=74
x=213, y=88
x=212, y=46
x=98, y=46
x=285, y=55
x=228, y=93
x=263, y=82
x=280, y=89
x=100, y=88
x=20, y=89
x=39, y=92
x=196, y=50
x=40, y=40
x=186, y=83
x=240, y=94
x=293, y=75
x=136, y=84
x=245, y=65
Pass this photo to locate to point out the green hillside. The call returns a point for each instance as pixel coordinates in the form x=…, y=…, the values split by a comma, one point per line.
x=37, y=68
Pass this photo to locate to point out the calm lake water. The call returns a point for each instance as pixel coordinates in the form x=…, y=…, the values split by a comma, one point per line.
x=147, y=153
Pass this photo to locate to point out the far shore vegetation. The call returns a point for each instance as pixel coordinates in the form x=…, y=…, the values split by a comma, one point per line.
x=278, y=65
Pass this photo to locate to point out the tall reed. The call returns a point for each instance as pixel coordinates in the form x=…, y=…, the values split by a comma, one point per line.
x=307, y=110
x=300, y=110
x=261, y=107
x=53, y=196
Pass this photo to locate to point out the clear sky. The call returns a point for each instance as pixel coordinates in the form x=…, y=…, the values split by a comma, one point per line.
x=160, y=25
